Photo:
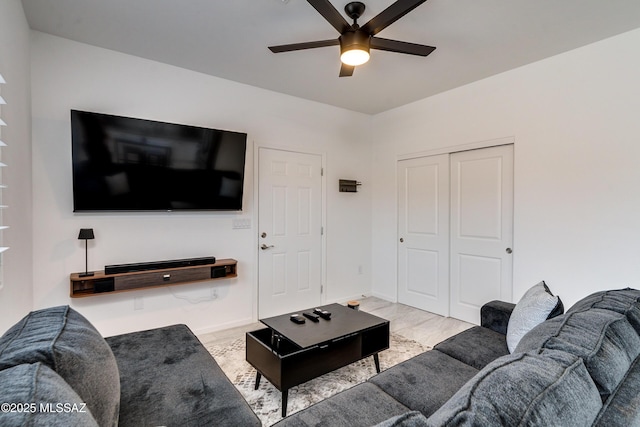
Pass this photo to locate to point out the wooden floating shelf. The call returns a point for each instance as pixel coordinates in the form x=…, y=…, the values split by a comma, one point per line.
x=101, y=283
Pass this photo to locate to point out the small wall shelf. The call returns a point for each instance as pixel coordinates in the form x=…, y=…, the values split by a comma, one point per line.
x=348, y=186
x=100, y=283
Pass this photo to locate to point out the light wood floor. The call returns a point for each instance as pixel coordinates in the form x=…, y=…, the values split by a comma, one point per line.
x=417, y=325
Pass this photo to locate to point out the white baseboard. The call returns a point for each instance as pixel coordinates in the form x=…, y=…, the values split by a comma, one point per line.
x=223, y=326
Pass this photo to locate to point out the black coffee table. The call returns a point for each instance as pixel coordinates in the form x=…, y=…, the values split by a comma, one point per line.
x=288, y=354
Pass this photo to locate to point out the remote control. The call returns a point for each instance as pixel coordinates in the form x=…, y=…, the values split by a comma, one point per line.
x=296, y=318
x=326, y=315
x=311, y=316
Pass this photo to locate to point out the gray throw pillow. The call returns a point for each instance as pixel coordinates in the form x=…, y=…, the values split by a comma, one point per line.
x=33, y=395
x=537, y=305
x=65, y=341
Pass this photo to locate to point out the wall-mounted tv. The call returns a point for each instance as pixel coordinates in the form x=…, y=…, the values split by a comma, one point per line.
x=128, y=164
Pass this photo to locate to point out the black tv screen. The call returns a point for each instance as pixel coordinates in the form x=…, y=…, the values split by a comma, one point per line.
x=127, y=164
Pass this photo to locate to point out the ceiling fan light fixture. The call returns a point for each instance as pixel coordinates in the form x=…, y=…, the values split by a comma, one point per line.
x=354, y=48
x=354, y=57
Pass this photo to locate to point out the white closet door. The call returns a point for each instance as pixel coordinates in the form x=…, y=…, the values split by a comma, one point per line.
x=423, y=229
x=481, y=229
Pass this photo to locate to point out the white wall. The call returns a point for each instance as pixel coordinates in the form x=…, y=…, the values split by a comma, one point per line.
x=17, y=293
x=574, y=118
x=68, y=75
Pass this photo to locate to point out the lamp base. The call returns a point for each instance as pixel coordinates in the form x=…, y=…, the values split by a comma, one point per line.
x=87, y=274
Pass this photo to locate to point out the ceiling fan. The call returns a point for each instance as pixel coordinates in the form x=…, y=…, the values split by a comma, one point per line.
x=355, y=40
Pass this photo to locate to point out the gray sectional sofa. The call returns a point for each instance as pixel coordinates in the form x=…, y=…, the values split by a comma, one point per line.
x=57, y=370
x=580, y=368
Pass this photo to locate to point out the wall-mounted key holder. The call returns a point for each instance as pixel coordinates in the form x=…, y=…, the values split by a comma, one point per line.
x=349, y=186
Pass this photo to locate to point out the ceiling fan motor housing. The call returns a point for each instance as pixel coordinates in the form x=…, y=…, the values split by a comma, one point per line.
x=357, y=39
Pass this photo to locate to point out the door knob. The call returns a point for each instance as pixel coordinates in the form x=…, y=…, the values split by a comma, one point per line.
x=401, y=240
x=509, y=250
x=264, y=247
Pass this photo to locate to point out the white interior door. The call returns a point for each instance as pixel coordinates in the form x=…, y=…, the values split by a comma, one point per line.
x=481, y=229
x=423, y=228
x=289, y=223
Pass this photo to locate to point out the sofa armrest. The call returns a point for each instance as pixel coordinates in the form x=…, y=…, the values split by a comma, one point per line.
x=495, y=315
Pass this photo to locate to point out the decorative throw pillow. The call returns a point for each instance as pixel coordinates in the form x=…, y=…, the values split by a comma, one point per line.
x=65, y=341
x=33, y=395
x=537, y=305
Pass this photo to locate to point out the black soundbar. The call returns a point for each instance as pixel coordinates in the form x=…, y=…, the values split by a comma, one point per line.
x=157, y=265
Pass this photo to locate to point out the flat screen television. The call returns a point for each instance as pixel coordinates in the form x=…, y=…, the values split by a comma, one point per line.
x=128, y=164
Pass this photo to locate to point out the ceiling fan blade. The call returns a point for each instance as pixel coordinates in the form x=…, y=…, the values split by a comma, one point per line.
x=401, y=47
x=331, y=14
x=390, y=15
x=346, y=70
x=302, y=46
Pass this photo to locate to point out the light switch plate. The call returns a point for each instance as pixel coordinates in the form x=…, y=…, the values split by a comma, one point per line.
x=241, y=224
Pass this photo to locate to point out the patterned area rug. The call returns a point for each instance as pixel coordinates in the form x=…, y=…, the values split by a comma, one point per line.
x=265, y=401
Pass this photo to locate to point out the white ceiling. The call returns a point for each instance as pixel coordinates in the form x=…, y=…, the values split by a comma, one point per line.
x=229, y=38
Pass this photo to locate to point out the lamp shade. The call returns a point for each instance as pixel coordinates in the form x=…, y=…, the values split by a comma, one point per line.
x=86, y=234
x=354, y=48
